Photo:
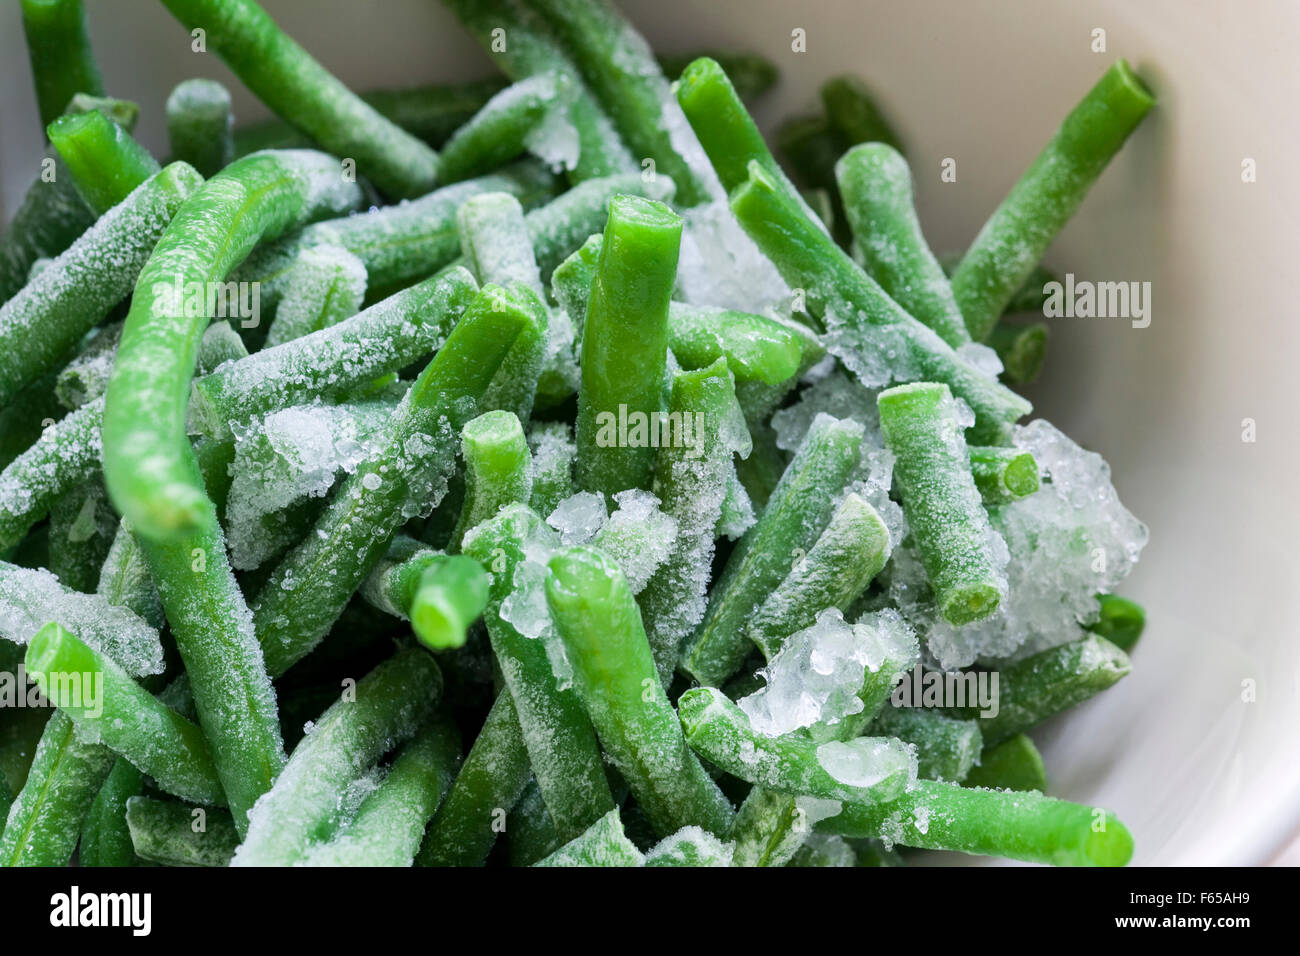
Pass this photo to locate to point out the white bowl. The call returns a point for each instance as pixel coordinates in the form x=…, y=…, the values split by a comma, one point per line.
x=1199, y=775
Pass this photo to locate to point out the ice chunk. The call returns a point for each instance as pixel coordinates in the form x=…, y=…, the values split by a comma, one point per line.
x=578, y=517
x=719, y=264
x=981, y=358
x=638, y=536
x=816, y=676
x=862, y=762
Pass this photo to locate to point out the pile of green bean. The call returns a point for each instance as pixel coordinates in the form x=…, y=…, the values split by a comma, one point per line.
x=463, y=538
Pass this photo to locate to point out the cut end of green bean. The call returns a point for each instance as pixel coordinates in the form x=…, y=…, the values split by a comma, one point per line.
x=1109, y=843
x=1121, y=622
x=450, y=597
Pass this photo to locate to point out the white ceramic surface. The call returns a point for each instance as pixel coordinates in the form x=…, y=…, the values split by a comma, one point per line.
x=1199, y=775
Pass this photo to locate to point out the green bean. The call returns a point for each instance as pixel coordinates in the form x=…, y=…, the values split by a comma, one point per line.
x=614, y=676
x=505, y=127
x=294, y=85
x=1121, y=622
x=46, y=816
x=388, y=336
x=867, y=769
x=757, y=349
x=326, y=285
x=1018, y=233
x=43, y=323
x=172, y=834
x=397, y=244
x=947, y=520
x=603, y=844
x=876, y=184
x=225, y=666
x=386, y=707
x=851, y=551
x=391, y=585
x=109, y=708
x=1046, y=683
x=498, y=469
x=728, y=135
x=81, y=531
x=389, y=824
x=691, y=483
x=309, y=588
x=622, y=72
x=625, y=344
x=760, y=473
x=1003, y=474
x=796, y=513
x=859, y=314
x=557, y=732
x=105, y=839
x=199, y=125
x=1021, y=349
x=67, y=454
x=946, y=749
x=853, y=113
x=431, y=112
x=490, y=782
x=52, y=214
x=1019, y=826
x=254, y=199
x=59, y=47
x=1014, y=764
x=494, y=237
x=32, y=597
x=105, y=162
x=494, y=240
x=751, y=73
x=450, y=597
x=533, y=49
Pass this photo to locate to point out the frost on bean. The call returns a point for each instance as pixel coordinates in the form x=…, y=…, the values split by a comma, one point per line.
x=287, y=457
x=31, y=598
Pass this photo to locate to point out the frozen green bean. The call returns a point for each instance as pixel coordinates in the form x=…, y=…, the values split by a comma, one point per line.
x=291, y=82
x=946, y=749
x=1015, y=237
x=625, y=345
x=1003, y=474
x=614, y=676
x=1014, y=764
x=384, y=708
x=200, y=124
x=851, y=551
x=498, y=469
x=172, y=834
x=795, y=515
x=1018, y=826
x=947, y=520
x=105, y=162
x=603, y=844
x=58, y=44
